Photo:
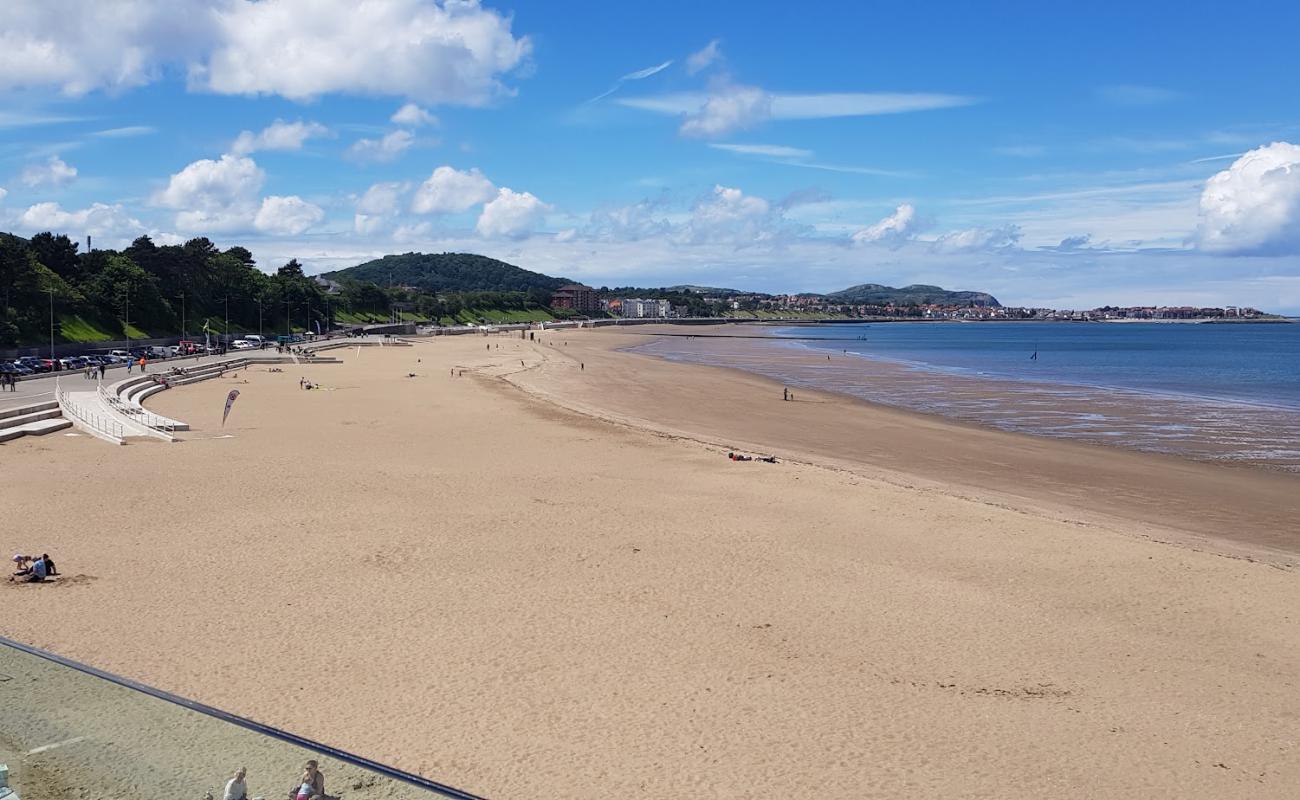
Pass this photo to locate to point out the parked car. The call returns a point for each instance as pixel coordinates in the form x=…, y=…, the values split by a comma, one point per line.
x=243, y=344
x=20, y=369
x=33, y=363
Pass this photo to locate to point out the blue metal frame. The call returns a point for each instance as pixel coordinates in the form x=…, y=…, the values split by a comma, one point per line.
x=248, y=724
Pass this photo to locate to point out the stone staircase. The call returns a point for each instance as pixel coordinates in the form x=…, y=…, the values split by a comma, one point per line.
x=36, y=419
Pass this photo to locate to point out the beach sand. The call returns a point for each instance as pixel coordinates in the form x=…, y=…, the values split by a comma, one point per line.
x=457, y=576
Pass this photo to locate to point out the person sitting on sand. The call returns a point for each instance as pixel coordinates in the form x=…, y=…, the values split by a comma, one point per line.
x=312, y=783
x=769, y=459
x=235, y=787
x=38, y=572
x=49, y=564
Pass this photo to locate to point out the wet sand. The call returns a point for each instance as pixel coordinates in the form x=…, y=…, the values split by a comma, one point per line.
x=461, y=578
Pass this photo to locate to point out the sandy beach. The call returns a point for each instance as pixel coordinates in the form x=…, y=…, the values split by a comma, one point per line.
x=543, y=577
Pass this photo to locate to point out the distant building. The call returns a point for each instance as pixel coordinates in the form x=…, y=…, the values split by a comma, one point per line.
x=576, y=297
x=635, y=308
x=330, y=287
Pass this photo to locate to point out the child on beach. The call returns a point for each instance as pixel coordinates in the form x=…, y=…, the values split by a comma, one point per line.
x=311, y=785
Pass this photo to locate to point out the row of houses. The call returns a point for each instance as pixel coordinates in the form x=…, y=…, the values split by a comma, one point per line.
x=585, y=300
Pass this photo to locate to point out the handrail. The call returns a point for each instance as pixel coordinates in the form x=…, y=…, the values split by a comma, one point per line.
x=97, y=426
x=247, y=724
x=144, y=417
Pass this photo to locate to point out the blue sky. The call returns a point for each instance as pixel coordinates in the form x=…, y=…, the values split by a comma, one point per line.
x=1126, y=153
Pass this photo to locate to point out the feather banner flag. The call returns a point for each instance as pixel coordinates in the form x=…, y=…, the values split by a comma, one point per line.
x=230, y=401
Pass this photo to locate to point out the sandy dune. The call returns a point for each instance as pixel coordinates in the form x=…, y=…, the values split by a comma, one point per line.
x=458, y=577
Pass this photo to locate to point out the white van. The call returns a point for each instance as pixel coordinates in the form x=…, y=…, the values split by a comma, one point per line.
x=242, y=344
x=256, y=339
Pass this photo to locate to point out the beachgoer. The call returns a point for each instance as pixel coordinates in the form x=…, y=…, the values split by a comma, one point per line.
x=22, y=566
x=38, y=572
x=311, y=784
x=785, y=393
x=49, y=564
x=129, y=363
x=235, y=787
x=102, y=369
x=143, y=364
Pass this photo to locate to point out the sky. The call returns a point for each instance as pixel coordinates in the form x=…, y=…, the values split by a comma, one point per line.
x=1052, y=154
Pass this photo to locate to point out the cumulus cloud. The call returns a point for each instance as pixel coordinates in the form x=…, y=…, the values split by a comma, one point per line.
x=389, y=148
x=893, y=230
x=705, y=56
x=452, y=52
x=3, y=193
x=975, y=240
x=99, y=219
x=214, y=195
x=53, y=174
x=382, y=198
x=450, y=191
x=413, y=116
x=512, y=215
x=280, y=135
x=1253, y=207
x=286, y=216
x=729, y=215
x=628, y=223
x=90, y=46
x=729, y=109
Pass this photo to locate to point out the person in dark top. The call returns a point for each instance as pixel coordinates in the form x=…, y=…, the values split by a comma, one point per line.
x=49, y=564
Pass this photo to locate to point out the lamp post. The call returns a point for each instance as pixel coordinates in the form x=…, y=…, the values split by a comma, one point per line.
x=184, y=333
x=225, y=330
x=51, y=291
x=259, y=318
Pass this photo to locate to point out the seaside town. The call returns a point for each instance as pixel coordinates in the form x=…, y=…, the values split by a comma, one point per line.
x=585, y=300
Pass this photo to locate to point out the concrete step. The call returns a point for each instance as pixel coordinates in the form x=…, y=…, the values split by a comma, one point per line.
x=32, y=408
x=34, y=416
x=34, y=428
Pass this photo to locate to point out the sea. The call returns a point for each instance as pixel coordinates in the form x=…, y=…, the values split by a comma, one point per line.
x=1226, y=392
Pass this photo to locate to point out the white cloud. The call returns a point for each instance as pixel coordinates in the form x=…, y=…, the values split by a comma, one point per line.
x=769, y=150
x=810, y=106
x=99, y=220
x=382, y=198
x=3, y=193
x=382, y=150
x=280, y=135
x=368, y=224
x=703, y=57
x=1253, y=207
x=893, y=230
x=208, y=184
x=450, y=191
x=729, y=215
x=976, y=240
x=512, y=215
x=413, y=116
x=638, y=75
x=53, y=174
x=566, y=235
x=453, y=52
x=287, y=216
x=729, y=109
x=125, y=132
x=628, y=223
x=81, y=47
x=214, y=196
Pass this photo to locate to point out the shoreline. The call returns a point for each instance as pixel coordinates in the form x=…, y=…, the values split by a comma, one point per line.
x=1239, y=510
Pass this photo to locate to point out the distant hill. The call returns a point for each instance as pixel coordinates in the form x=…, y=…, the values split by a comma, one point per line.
x=448, y=272
x=919, y=294
x=711, y=290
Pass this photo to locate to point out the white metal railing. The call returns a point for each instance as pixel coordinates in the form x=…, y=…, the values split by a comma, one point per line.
x=138, y=413
x=96, y=424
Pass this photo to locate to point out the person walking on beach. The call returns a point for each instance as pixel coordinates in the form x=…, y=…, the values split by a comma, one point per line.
x=102, y=369
x=143, y=365
x=785, y=393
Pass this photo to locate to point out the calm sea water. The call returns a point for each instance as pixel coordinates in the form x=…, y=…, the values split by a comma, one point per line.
x=1251, y=363
x=1221, y=392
